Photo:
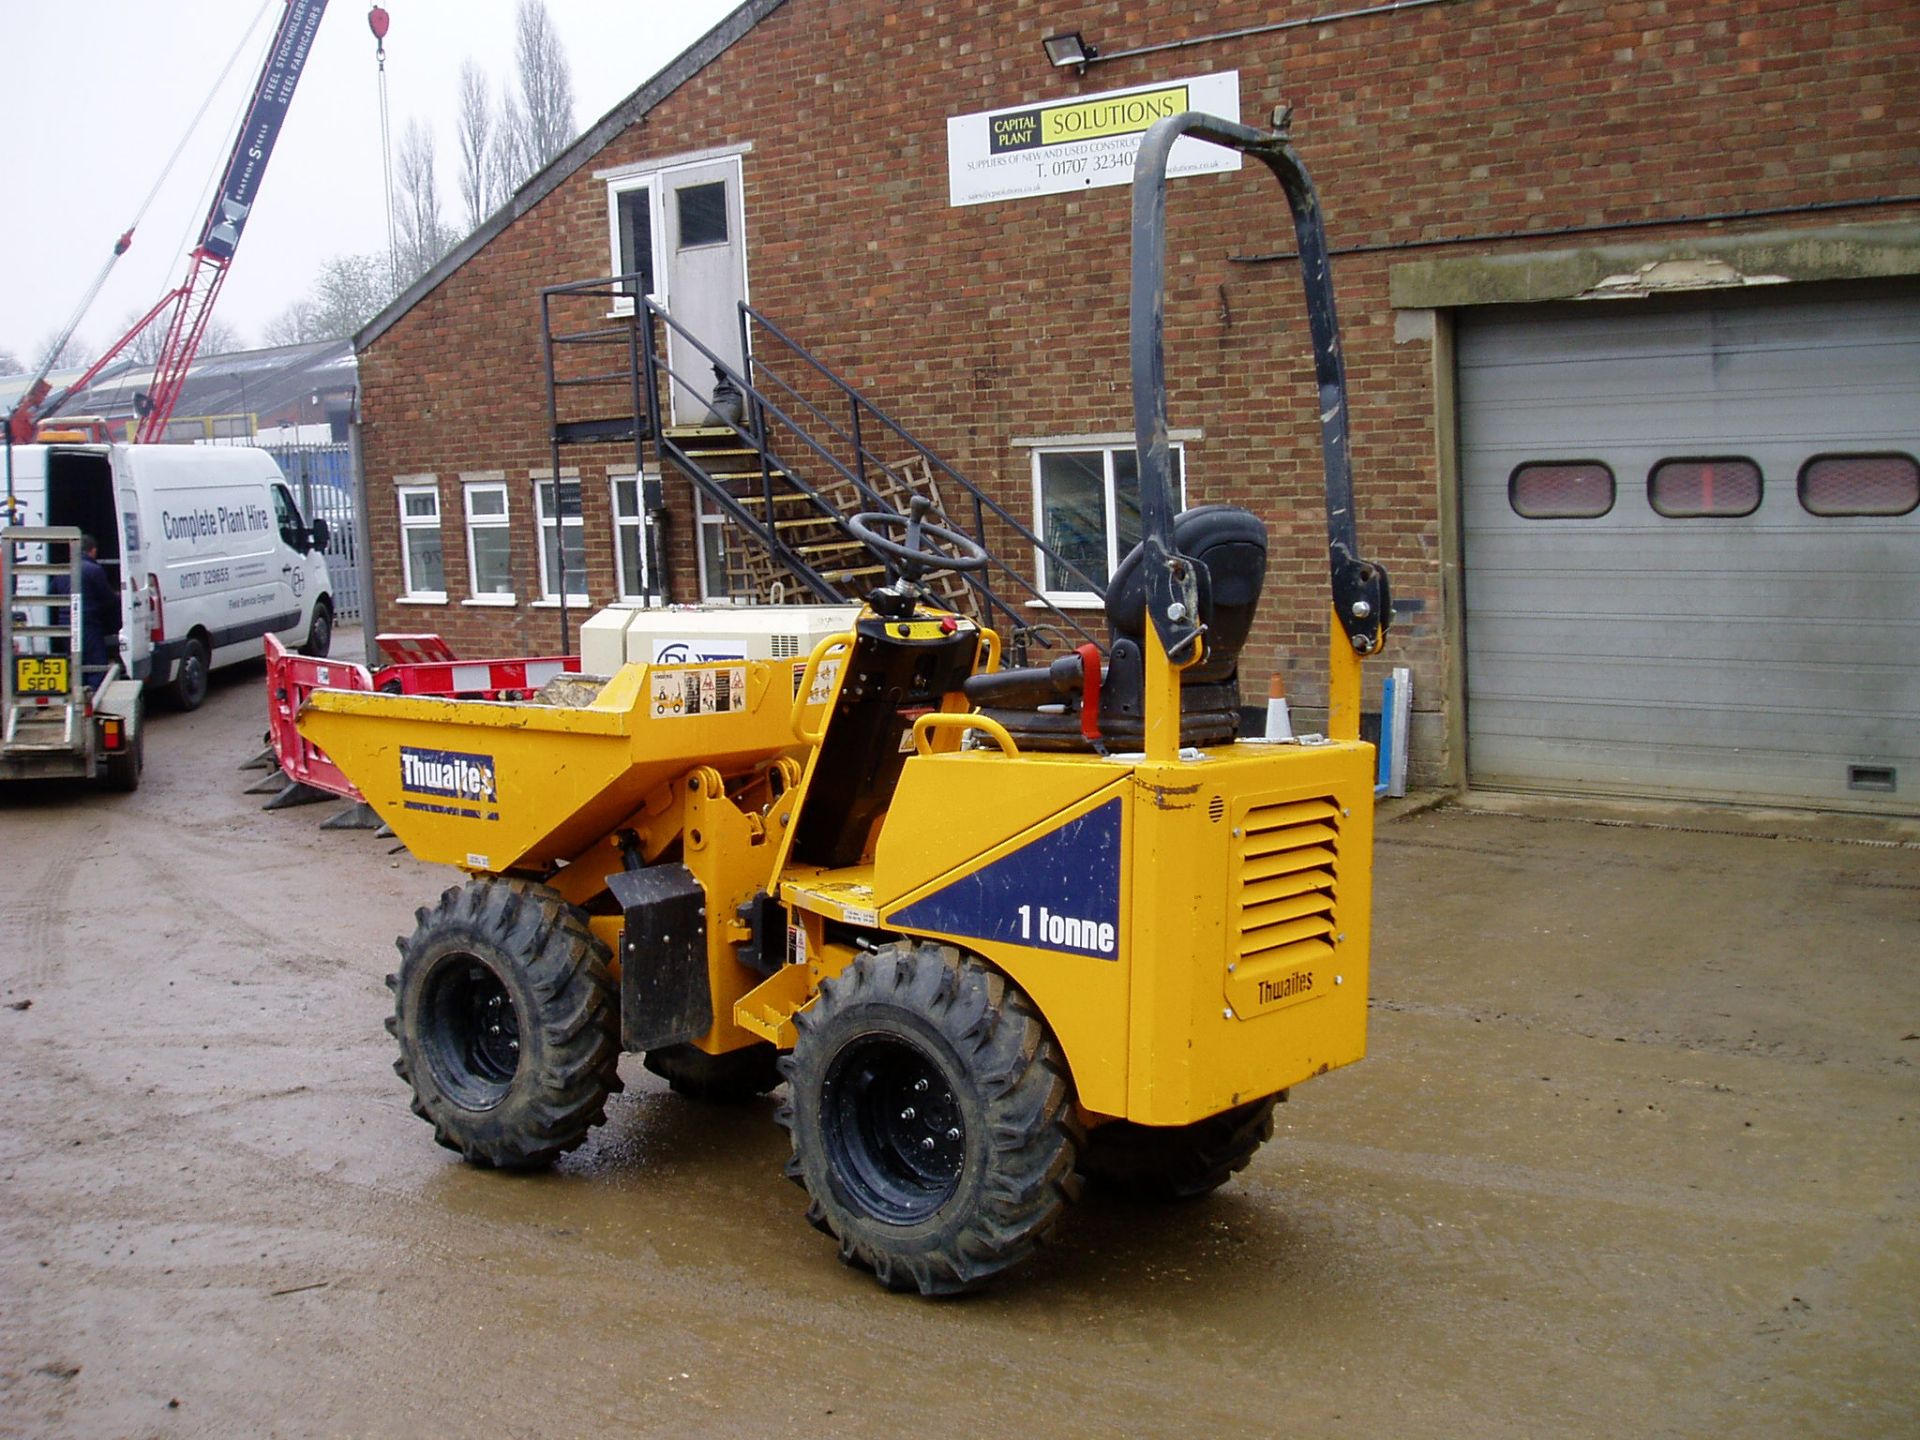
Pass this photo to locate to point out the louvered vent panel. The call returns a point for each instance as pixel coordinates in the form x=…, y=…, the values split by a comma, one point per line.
x=1289, y=863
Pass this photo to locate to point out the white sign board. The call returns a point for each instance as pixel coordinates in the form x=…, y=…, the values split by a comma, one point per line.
x=1083, y=143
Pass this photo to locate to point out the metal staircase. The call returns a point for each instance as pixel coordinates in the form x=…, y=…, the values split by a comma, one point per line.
x=811, y=534
x=799, y=451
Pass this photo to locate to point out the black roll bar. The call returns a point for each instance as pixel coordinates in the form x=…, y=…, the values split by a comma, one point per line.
x=1361, y=596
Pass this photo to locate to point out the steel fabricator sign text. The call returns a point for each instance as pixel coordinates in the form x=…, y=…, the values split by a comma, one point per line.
x=1083, y=143
x=261, y=129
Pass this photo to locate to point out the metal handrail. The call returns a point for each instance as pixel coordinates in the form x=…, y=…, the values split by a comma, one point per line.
x=766, y=534
x=786, y=425
x=900, y=432
x=768, y=538
x=1027, y=595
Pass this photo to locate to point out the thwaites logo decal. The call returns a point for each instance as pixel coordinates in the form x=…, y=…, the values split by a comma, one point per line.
x=449, y=782
x=1058, y=892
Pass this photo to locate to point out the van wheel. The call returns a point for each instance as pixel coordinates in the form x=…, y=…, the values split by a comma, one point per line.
x=931, y=1118
x=320, y=634
x=189, y=688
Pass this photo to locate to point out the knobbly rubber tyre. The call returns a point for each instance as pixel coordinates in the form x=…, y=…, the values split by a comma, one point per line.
x=727, y=1079
x=1181, y=1162
x=508, y=1021
x=188, y=691
x=931, y=1119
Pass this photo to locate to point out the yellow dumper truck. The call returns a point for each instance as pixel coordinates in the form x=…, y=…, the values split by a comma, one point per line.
x=996, y=930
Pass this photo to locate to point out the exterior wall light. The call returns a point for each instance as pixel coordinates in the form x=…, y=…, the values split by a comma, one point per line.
x=1069, y=48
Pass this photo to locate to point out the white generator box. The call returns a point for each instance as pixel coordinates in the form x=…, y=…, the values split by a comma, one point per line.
x=603, y=641
x=693, y=634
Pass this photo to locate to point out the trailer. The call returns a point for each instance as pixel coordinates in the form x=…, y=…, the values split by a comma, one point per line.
x=60, y=722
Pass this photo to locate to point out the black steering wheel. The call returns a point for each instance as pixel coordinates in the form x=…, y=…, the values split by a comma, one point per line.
x=916, y=556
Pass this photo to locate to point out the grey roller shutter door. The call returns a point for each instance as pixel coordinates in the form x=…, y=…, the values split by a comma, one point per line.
x=1767, y=658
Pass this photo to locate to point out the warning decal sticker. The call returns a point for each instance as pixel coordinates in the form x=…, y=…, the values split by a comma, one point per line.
x=706, y=690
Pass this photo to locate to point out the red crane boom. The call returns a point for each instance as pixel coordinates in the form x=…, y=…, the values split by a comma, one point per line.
x=191, y=302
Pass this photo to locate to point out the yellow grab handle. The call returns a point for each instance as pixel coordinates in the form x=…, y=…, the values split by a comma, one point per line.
x=989, y=658
x=821, y=652
x=924, y=727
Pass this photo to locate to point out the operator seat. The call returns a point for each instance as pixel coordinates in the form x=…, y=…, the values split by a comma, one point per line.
x=1041, y=706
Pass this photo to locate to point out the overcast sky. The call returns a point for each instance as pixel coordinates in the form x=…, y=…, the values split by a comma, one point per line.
x=99, y=92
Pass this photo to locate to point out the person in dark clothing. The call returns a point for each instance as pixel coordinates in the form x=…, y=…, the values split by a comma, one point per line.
x=99, y=613
x=99, y=610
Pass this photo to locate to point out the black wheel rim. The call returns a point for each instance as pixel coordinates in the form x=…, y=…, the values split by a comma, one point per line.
x=471, y=1033
x=893, y=1129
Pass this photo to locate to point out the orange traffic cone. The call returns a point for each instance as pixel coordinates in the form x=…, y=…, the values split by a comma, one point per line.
x=1279, y=723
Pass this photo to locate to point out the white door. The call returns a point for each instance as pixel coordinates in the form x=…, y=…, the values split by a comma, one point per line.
x=136, y=625
x=704, y=230
x=291, y=592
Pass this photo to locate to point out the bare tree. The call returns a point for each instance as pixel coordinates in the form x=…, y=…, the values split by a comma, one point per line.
x=352, y=289
x=295, y=325
x=478, y=189
x=74, y=352
x=546, y=82
x=10, y=363
x=512, y=163
x=423, y=234
x=144, y=348
x=219, y=338
x=536, y=123
x=348, y=292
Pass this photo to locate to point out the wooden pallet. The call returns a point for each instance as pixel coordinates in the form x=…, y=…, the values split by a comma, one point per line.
x=812, y=530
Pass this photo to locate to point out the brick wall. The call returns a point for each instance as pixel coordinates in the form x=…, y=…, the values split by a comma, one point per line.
x=977, y=324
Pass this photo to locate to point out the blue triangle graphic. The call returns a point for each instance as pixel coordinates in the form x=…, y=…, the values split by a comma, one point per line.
x=1060, y=891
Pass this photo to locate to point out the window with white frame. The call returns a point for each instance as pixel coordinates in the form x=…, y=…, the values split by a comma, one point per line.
x=489, y=541
x=630, y=536
x=633, y=225
x=1087, y=502
x=702, y=213
x=422, y=562
x=720, y=543
x=563, y=538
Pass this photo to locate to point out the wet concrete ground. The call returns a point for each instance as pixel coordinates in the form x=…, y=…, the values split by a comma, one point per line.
x=1636, y=1152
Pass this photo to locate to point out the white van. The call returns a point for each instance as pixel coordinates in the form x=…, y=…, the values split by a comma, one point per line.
x=204, y=543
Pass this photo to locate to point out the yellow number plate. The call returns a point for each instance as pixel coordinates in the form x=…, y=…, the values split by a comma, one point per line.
x=40, y=674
